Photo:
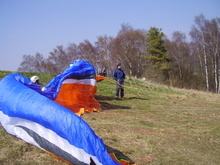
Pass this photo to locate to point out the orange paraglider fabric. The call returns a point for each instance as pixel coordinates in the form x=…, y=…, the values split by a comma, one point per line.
x=78, y=96
x=100, y=78
x=75, y=88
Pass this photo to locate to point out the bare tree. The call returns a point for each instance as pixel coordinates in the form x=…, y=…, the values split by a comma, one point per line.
x=27, y=64
x=180, y=65
x=127, y=49
x=103, y=49
x=32, y=63
x=57, y=61
x=87, y=51
x=72, y=52
x=40, y=64
x=198, y=36
x=206, y=36
x=214, y=38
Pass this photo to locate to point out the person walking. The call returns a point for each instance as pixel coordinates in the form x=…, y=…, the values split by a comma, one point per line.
x=119, y=77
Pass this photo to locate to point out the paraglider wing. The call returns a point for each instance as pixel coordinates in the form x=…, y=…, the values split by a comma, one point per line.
x=40, y=121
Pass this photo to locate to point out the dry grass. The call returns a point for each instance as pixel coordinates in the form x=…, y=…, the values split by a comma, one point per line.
x=154, y=125
x=14, y=151
x=160, y=125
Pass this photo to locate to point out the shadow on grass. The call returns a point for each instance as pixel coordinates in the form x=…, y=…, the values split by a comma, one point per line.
x=109, y=98
x=99, y=97
x=136, y=98
x=108, y=106
x=119, y=155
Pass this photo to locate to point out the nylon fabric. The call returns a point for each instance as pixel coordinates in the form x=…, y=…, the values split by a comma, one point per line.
x=78, y=69
x=19, y=101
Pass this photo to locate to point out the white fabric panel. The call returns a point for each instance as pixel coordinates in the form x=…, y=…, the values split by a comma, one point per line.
x=10, y=123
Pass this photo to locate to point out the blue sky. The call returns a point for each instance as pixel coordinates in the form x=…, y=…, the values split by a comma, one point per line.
x=31, y=26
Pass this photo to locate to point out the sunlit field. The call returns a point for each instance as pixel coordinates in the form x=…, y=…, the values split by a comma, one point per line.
x=154, y=124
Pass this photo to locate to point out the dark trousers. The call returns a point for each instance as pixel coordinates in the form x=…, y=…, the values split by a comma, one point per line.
x=119, y=89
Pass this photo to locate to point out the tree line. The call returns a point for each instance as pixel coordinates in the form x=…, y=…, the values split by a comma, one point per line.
x=144, y=53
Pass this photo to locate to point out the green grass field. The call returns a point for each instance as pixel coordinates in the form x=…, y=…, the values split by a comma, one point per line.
x=154, y=125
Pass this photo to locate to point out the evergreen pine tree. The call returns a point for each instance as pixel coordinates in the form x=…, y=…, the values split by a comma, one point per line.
x=156, y=53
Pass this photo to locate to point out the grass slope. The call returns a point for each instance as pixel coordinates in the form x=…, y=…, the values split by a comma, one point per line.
x=154, y=125
x=44, y=78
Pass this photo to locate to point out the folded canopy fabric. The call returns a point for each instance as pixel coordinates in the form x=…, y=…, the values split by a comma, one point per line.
x=75, y=88
x=78, y=70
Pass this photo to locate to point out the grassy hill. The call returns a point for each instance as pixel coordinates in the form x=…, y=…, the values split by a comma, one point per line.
x=44, y=78
x=154, y=124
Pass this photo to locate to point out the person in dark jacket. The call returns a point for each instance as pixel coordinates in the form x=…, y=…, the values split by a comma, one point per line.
x=119, y=77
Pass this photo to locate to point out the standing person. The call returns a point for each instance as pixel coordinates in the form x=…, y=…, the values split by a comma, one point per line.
x=119, y=76
x=104, y=72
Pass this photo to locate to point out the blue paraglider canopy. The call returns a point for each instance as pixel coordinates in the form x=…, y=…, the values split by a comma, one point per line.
x=30, y=114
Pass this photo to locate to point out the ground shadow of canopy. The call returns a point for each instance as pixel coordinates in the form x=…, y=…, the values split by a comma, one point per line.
x=137, y=98
x=99, y=97
x=119, y=155
x=108, y=106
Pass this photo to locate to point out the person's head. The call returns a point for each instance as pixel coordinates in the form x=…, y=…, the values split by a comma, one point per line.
x=35, y=80
x=119, y=66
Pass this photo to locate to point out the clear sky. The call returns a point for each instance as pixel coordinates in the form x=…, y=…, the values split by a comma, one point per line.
x=31, y=26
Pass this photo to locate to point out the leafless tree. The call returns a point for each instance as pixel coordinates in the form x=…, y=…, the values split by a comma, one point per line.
x=180, y=65
x=103, y=49
x=127, y=49
x=57, y=61
x=86, y=51
x=40, y=63
x=72, y=52
x=27, y=64
x=214, y=44
x=206, y=36
x=32, y=63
